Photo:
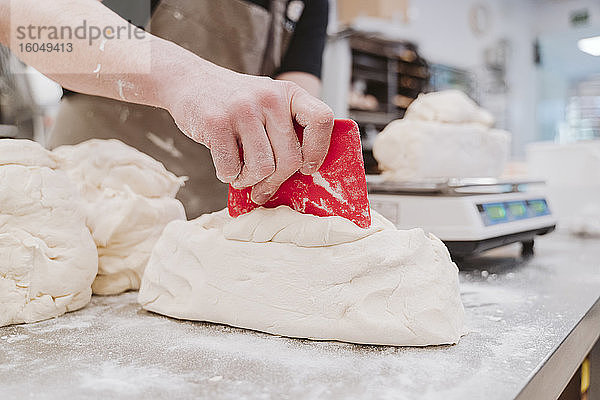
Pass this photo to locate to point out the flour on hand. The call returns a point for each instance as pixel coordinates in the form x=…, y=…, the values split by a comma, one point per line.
x=130, y=198
x=48, y=259
x=292, y=274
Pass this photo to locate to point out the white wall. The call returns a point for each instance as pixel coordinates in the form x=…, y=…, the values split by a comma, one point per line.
x=520, y=74
x=442, y=31
x=563, y=65
x=444, y=35
x=553, y=15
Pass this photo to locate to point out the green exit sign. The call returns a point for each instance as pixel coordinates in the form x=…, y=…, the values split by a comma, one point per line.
x=579, y=17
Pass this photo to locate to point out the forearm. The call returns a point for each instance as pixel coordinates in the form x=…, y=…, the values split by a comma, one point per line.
x=214, y=106
x=307, y=81
x=135, y=67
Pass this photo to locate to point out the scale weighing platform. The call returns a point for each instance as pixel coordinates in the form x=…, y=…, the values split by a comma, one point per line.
x=468, y=215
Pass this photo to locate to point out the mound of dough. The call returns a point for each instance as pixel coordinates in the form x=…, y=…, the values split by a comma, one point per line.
x=443, y=135
x=324, y=278
x=448, y=106
x=48, y=259
x=130, y=198
x=412, y=149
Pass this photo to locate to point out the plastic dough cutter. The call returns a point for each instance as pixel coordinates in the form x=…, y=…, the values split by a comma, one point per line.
x=338, y=188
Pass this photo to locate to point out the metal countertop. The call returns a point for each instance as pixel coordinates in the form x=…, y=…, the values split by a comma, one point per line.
x=530, y=321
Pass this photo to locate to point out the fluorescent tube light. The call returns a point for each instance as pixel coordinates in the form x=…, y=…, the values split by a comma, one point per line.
x=590, y=45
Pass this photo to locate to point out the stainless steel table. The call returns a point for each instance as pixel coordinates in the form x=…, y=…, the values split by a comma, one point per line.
x=531, y=323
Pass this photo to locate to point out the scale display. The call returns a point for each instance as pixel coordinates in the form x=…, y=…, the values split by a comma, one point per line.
x=503, y=212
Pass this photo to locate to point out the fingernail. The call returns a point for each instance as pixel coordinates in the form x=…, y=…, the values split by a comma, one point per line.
x=237, y=185
x=261, y=198
x=309, y=168
x=226, y=179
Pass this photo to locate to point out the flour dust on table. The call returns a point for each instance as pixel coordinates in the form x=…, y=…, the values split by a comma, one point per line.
x=298, y=275
x=48, y=259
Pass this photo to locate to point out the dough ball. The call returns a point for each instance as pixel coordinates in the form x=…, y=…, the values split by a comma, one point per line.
x=412, y=149
x=448, y=106
x=442, y=135
x=324, y=278
x=130, y=198
x=48, y=259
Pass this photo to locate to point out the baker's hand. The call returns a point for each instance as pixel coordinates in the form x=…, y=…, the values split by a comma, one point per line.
x=228, y=111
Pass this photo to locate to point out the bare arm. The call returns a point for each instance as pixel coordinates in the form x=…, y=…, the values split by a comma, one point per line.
x=307, y=81
x=212, y=105
x=115, y=68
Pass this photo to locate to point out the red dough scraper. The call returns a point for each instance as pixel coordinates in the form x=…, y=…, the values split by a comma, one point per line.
x=338, y=188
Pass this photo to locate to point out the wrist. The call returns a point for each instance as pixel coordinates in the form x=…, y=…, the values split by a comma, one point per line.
x=175, y=69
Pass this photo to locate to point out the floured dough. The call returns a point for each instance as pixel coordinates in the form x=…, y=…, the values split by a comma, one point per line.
x=448, y=106
x=48, y=259
x=292, y=274
x=443, y=135
x=130, y=199
x=412, y=149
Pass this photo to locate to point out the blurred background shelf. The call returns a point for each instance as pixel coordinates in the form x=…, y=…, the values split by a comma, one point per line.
x=373, y=117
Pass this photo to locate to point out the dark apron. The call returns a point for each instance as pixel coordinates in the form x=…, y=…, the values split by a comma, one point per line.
x=231, y=33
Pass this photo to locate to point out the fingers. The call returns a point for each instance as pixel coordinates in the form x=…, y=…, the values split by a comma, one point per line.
x=259, y=162
x=317, y=119
x=286, y=150
x=215, y=132
x=260, y=119
x=226, y=157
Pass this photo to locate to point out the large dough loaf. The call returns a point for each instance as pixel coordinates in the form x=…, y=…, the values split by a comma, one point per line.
x=292, y=274
x=413, y=149
x=443, y=135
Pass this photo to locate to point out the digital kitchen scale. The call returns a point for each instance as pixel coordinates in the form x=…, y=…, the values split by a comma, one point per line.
x=468, y=215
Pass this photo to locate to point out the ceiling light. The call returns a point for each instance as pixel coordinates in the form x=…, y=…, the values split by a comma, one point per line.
x=590, y=45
